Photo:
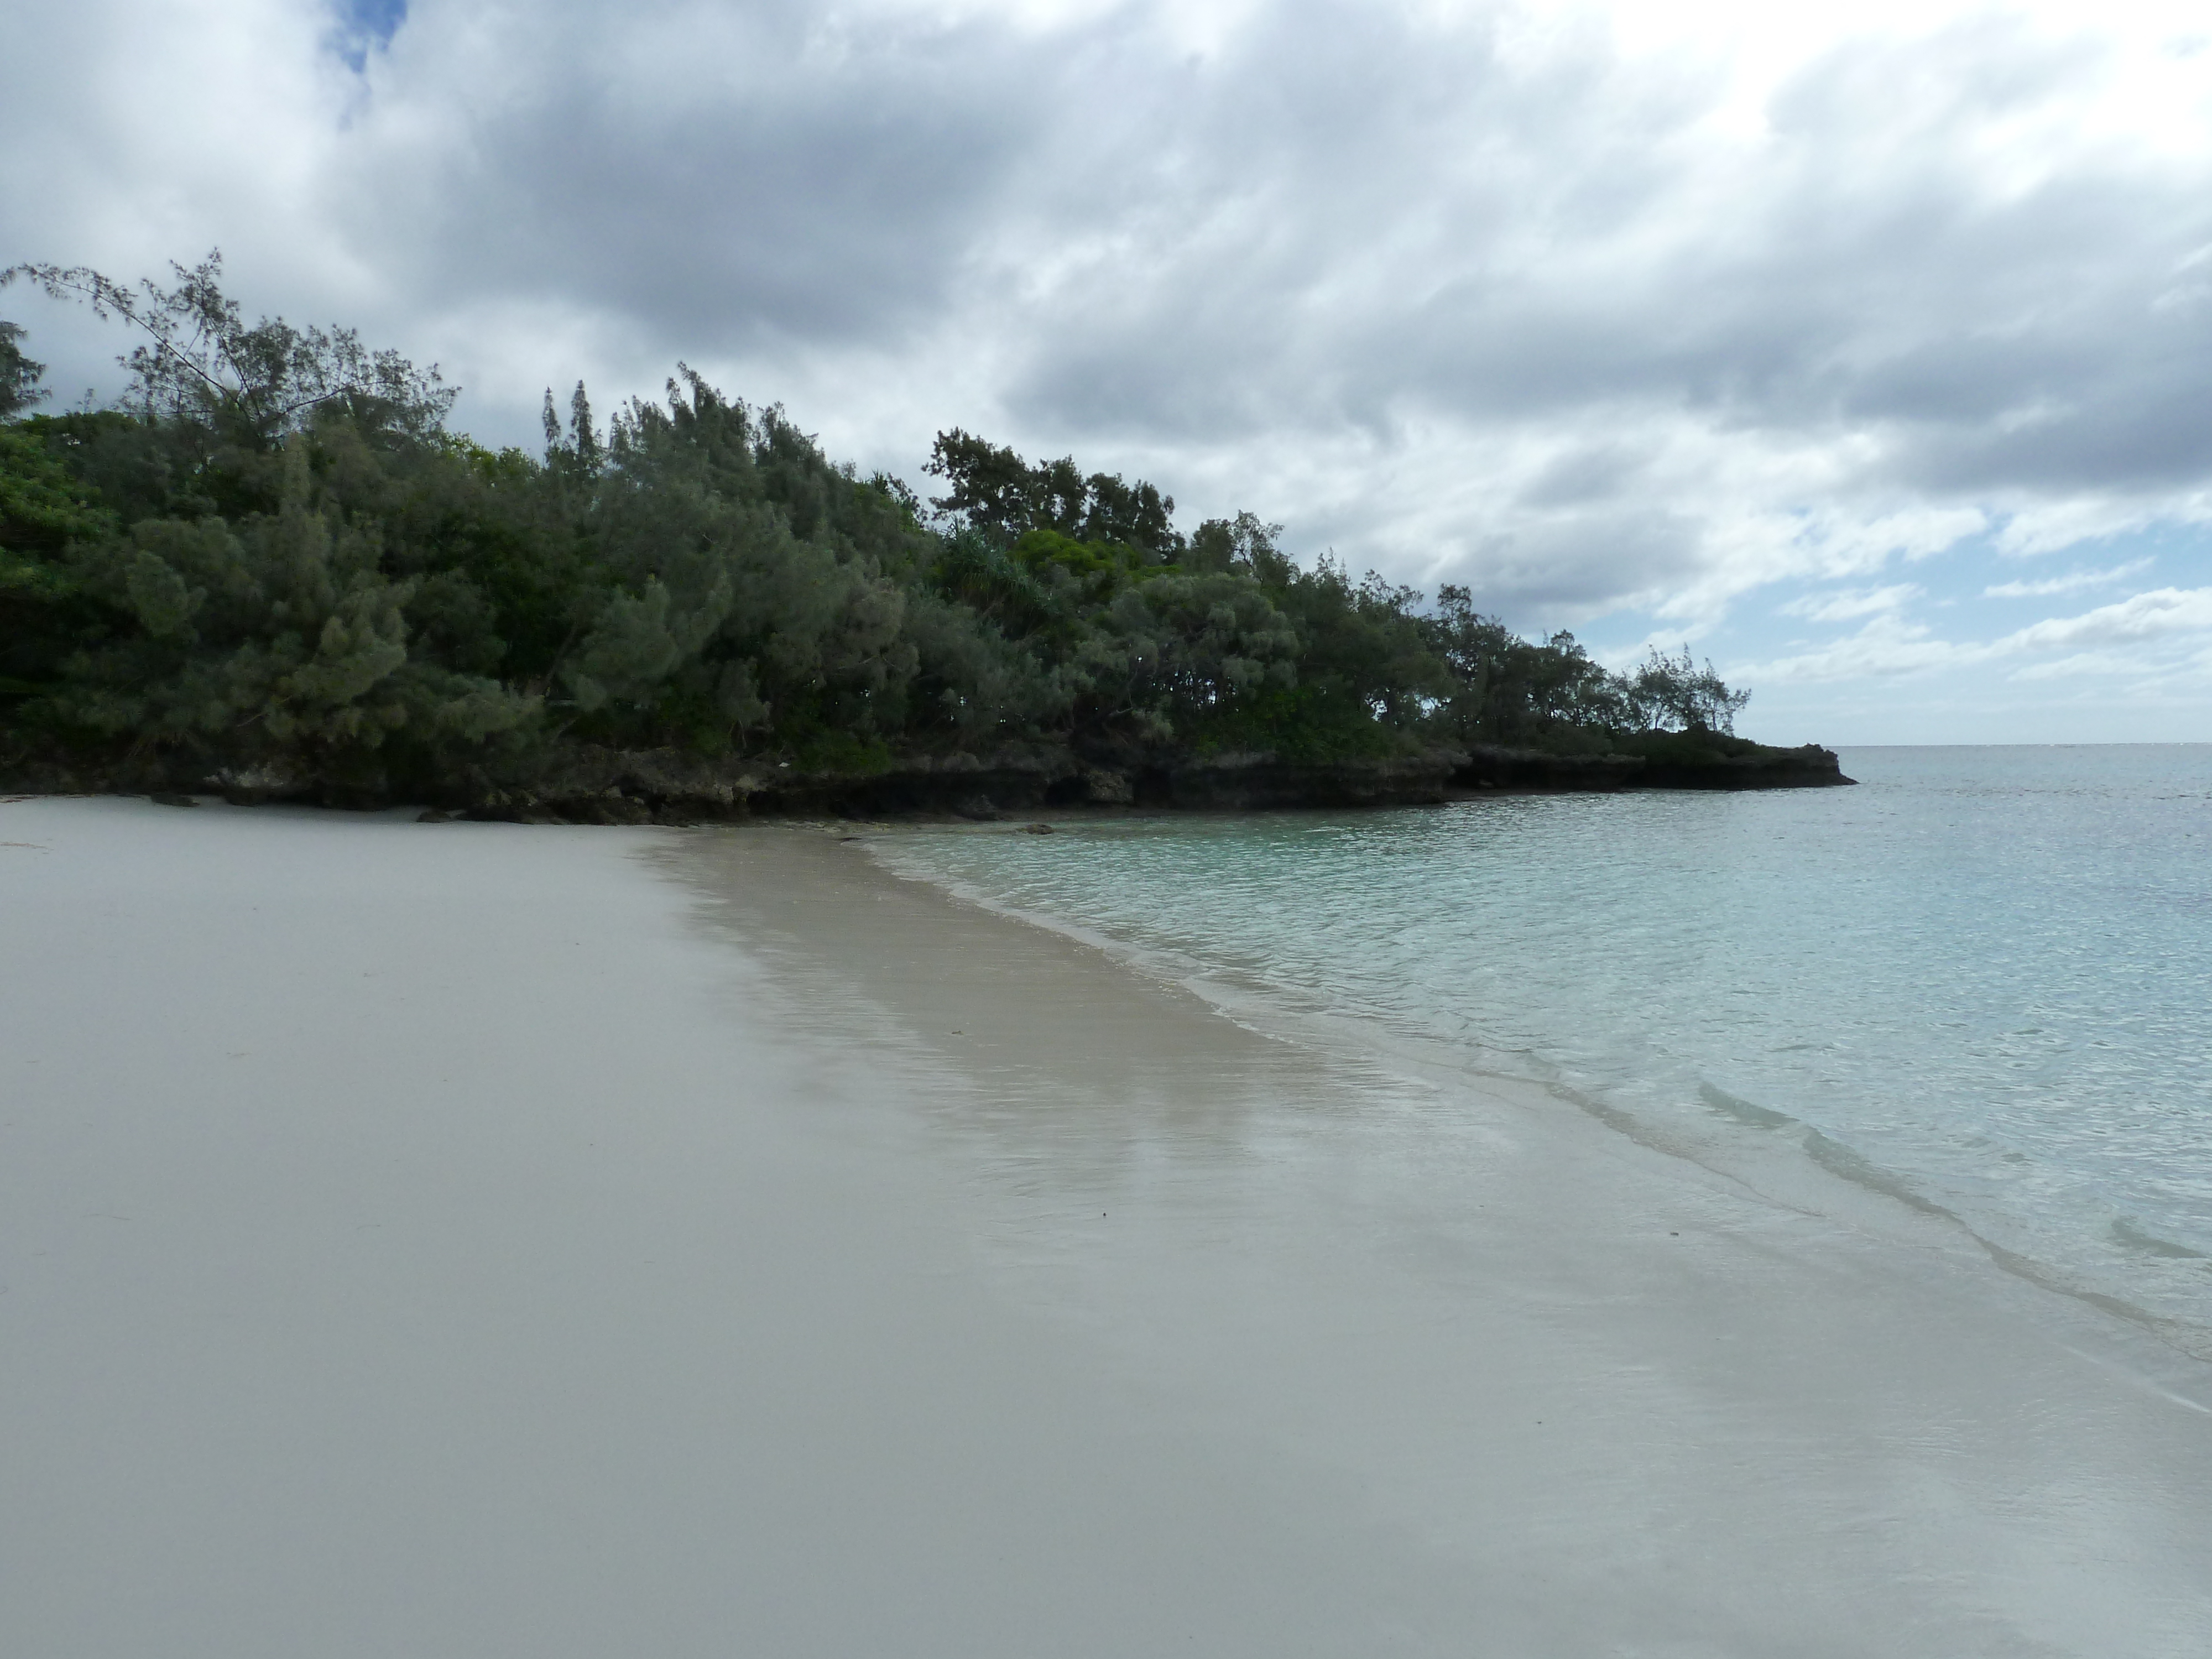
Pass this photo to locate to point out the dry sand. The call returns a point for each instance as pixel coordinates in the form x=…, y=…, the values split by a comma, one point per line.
x=460, y=1240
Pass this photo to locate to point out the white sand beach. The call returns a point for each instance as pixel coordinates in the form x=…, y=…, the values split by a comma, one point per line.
x=479, y=1240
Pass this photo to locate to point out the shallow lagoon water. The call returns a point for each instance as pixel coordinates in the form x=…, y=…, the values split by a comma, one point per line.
x=1978, y=982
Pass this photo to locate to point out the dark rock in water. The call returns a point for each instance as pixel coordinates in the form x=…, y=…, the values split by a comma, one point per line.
x=1685, y=760
x=1666, y=760
x=1240, y=782
x=1801, y=768
x=433, y=816
x=166, y=798
x=1036, y=830
x=1492, y=766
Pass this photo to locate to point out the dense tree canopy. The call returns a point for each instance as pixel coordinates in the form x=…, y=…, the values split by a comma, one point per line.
x=272, y=557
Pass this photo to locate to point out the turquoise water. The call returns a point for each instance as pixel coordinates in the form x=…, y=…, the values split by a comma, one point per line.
x=1980, y=980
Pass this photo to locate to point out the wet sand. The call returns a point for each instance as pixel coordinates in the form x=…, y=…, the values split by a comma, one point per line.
x=470, y=1239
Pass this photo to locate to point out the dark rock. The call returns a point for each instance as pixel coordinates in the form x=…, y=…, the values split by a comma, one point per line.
x=1654, y=761
x=1101, y=788
x=255, y=786
x=588, y=785
x=1809, y=768
x=1492, y=766
x=1247, y=783
x=166, y=797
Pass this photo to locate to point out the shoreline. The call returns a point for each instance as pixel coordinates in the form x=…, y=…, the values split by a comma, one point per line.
x=713, y=1241
x=1773, y=1156
x=1934, y=1293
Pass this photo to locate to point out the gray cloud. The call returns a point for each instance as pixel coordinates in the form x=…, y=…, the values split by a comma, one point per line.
x=1480, y=295
x=747, y=177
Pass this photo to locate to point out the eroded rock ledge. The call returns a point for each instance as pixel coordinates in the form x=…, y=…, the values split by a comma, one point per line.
x=597, y=786
x=635, y=788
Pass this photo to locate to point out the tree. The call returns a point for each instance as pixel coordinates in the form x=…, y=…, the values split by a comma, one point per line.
x=1674, y=694
x=994, y=492
x=990, y=489
x=1517, y=690
x=201, y=362
x=19, y=375
x=1242, y=544
x=278, y=643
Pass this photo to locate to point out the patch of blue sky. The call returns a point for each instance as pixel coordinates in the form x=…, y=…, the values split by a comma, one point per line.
x=363, y=26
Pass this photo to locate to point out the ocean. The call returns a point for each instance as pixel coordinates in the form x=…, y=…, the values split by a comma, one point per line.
x=1980, y=982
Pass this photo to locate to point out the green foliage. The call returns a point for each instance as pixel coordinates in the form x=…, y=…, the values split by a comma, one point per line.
x=274, y=562
x=749, y=581
x=43, y=504
x=201, y=361
x=19, y=375
x=994, y=492
x=1674, y=694
x=1511, y=691
x=277, y=642
x=44, y=507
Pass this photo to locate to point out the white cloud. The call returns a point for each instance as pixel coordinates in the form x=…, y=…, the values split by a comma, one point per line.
x=2156, y=615
x=1848, y=603
x=2156, y=625
x=1886, y=646
x=2073, y=582
x=2067, y=519
x=2084, y=665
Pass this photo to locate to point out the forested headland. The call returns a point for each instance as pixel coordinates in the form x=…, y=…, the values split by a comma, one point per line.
x=272, y=570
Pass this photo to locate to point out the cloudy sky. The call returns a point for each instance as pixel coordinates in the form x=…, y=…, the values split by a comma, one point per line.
x=1867, y=348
